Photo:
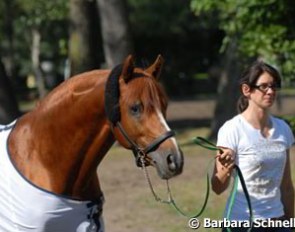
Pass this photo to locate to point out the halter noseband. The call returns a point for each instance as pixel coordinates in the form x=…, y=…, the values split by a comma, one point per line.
x=141, y=153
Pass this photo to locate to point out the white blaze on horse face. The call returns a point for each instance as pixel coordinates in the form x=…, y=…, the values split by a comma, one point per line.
x=168, y=160
x=165, y=125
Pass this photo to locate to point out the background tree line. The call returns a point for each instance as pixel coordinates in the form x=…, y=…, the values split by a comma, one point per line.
x=205, y=43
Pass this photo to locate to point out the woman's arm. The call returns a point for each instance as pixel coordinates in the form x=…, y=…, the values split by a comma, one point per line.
x=287, y=190
x=224, y=164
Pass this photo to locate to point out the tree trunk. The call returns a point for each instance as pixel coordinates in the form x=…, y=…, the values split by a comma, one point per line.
x=8, y=104
x=115, y=31
x=35, y=56
x=84, y=50
x=228, y=89
x=8, y=17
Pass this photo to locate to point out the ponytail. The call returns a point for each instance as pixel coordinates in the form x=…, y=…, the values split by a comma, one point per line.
x=242, y=104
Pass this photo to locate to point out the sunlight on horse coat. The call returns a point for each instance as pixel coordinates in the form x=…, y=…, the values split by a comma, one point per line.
x=56, y=148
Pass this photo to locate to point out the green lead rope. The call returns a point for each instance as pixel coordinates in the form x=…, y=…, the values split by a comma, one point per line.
x=208, y=145
x=195, y=215
x=232, y=197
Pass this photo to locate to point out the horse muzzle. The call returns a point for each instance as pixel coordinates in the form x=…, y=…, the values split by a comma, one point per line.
x=168, y=162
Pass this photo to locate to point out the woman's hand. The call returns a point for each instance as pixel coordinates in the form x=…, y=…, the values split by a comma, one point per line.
x=224, y=164
x=226, y=159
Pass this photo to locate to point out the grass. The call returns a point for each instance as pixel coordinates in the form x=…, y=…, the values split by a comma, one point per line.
x=130, y=206
x=288, y=91
x=189, y=189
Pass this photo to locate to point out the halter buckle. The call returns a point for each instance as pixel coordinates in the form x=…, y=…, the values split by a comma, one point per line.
x=141, y=159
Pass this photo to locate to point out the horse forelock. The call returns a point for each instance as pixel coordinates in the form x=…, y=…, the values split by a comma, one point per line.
x=141, y=86
x=148, y=91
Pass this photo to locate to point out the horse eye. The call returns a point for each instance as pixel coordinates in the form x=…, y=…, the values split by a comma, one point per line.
x=136, y=109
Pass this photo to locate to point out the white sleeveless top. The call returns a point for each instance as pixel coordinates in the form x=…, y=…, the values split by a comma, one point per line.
x=262, y=162
x=27, y=208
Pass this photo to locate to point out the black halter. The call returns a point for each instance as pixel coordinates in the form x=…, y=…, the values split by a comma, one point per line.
x=139, y=152
x=112, y=108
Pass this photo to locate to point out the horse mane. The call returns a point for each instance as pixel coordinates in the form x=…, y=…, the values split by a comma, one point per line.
x=112, y=95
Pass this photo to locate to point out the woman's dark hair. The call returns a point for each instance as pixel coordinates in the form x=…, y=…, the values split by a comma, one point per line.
x=250, y=77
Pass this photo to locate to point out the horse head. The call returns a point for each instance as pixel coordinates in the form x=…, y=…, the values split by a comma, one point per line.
x=136, y=106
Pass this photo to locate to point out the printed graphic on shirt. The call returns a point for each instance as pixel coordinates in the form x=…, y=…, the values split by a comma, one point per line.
x=264, y=168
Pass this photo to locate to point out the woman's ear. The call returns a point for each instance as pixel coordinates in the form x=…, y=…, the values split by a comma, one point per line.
x=246, y=90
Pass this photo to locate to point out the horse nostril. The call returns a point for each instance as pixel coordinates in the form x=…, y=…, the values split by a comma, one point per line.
x=171, y=162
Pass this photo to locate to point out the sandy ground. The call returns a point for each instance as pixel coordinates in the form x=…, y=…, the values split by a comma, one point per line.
x=203, y=109
x=129, y=204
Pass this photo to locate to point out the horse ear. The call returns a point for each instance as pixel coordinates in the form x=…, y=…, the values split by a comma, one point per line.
x=156, y=68
x=128, y=67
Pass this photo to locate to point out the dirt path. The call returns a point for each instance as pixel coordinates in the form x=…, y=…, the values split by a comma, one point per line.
x=202, y=109
x=130, y=206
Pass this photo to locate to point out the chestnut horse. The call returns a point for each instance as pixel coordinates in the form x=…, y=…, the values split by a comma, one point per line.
x=48, y=171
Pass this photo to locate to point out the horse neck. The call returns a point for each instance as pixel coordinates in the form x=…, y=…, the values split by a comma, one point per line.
x=68, y=138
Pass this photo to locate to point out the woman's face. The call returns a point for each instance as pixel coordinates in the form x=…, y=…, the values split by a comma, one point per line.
x=263, y=93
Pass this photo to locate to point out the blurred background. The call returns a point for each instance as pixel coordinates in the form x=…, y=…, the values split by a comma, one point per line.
x=205, y=43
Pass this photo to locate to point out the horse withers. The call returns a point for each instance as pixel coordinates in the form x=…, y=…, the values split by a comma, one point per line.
x=49, y=158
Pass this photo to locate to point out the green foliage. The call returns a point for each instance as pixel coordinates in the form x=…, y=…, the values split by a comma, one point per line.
x=49, y=17
x=160, y=17
x=264, y=28
x=37, y=13
x=158, y=27
x=170, y=28
x=291, y=121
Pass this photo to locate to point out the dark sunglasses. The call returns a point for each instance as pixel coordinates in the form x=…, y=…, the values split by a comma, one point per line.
x=265, y=87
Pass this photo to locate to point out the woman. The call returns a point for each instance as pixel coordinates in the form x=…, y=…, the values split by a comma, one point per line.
x=259, y=144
